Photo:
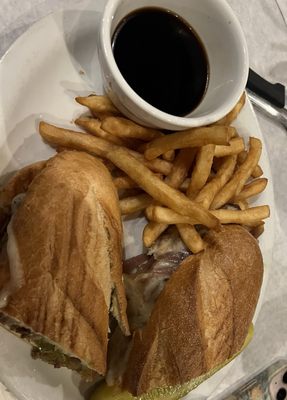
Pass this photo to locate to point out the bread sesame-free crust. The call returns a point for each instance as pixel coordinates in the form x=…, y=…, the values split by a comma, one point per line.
x=68, y=235
x=202, y=316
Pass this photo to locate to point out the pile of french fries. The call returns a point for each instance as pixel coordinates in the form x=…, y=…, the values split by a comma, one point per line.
x=199, y=177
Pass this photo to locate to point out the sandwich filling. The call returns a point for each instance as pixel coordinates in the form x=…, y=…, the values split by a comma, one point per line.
x=10, y=259
x=145, y=283
x=145, y=276
x=46, y=350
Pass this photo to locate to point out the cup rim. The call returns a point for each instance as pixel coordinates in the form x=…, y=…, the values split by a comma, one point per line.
x=155, y=113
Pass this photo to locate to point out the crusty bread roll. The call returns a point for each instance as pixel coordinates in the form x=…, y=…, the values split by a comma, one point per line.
x=202, y=316
x=65, y=254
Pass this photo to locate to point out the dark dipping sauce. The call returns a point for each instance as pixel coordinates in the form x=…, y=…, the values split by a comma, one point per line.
x=162, y=59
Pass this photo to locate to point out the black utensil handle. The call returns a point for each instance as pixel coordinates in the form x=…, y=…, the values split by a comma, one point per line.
x=272, y=92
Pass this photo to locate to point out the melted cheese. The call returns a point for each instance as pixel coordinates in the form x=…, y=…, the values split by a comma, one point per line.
x=16, y=271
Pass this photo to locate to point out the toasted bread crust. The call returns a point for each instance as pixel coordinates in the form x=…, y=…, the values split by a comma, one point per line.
x=202, y=316
x=64, y=232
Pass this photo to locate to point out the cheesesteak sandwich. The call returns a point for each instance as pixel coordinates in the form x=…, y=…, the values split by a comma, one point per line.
x=61, y=275
x=61, y=261
x=201, y=317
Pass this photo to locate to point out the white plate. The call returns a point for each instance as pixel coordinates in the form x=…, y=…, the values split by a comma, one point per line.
x=55, y=60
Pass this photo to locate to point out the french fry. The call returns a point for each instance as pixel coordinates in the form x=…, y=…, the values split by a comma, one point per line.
x=194, y=137
x=93, y=126
x=219, y=176
x=250, y=217
x=74, y=140
x=157, y=165
x=180, y=168
x=257, y=230
x=183, y=187
x=125, y=128
x=69, y=139
x=188, y=233
x=234, y=134
x=242, y=204
x=257, y=172
x=152, y=231
x=165, y=215
x=251, y=189
x=232, y=115
x=169, y=155
x=201, y=169
x=178, y=173
x=236, y=146
x=159, y=190
x=236, y=183
x=133, y=204
x=191, y=238
x=242, y=157
x=209, y=191
x=124, y=182
x=98, y=104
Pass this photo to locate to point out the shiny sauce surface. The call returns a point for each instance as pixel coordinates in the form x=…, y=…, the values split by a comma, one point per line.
x=162, y=59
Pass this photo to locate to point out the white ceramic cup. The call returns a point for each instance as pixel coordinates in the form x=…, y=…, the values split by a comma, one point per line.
x=223, y=39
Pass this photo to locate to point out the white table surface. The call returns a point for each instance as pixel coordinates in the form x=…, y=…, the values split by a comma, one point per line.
x=265, y=25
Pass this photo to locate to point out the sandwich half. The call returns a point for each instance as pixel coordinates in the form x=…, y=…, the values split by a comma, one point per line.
x=199, y=321
x=61, y=261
